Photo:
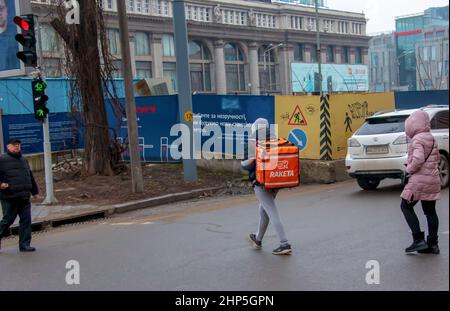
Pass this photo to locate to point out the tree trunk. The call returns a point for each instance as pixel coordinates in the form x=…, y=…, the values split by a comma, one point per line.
x=96, y=155
x=84, y=48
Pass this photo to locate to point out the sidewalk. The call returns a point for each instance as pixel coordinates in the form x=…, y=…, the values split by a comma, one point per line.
x=44, y=216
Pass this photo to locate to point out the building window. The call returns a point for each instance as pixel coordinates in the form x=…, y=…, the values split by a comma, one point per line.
x=170, y=73
x=267, y=70
x=49, y=39
x=143, y=6
x=114, y=41
x=142, y=44
x=130, y=6
x=328, y=25
x=299, y=54
x=162, y=7
x=200, y=66
x=168, y=46
x=313, y=53
x=297, y=22
x=330, y=54
x=198, y=13
x=358, y=55
x=234, y=66
x=234, y=17
x=311, y=24
x=117, y=73
x=343, y=27
x=345, y=55
x=266, y=20
x=143, y=70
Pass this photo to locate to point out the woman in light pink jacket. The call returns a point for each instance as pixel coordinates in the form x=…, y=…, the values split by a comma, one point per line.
x=424, y=182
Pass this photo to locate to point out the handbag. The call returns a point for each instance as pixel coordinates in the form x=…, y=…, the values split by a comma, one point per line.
x=407, y=176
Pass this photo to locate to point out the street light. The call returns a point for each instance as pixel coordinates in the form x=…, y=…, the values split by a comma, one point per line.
x=270, y=48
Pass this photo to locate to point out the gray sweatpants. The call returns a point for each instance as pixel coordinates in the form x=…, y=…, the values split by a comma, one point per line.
x=268, y=212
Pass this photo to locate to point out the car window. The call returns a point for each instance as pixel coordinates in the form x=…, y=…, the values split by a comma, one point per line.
x=440, y=121
x=383, y=125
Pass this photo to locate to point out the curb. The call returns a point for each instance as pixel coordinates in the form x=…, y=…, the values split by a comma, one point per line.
x=103, y=212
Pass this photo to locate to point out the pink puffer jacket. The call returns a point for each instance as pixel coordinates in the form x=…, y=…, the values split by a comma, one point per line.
x=425, y=182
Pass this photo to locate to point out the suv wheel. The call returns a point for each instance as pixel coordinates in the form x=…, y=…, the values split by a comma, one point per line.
x=368, y=183
x=443, y=170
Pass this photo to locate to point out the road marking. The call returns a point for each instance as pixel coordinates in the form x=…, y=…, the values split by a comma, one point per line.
x=147, y=223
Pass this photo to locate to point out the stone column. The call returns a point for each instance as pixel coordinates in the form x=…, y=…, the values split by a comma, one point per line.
x=133, y=54
x=254, y=68
x=221, y=77
x=157, y=61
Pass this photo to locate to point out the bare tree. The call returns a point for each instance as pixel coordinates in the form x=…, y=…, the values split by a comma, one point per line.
x=89, y=65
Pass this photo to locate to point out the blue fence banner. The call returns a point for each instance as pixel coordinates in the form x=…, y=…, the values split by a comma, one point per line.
x=65, y=133
x=155, y=117
x=418, y=99
x=157, y=114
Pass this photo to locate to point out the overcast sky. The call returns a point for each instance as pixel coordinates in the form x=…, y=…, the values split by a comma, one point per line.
x=382, y=13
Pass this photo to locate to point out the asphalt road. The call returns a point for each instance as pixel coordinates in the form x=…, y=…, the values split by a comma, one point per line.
x=334, y=230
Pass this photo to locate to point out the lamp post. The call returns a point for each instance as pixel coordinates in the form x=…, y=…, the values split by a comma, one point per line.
x=271, y=47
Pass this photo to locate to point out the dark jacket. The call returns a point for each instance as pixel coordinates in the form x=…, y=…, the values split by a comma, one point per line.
x=15, y=171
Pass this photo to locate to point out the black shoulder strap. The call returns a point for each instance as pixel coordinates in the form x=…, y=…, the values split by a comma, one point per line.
x=432, y=148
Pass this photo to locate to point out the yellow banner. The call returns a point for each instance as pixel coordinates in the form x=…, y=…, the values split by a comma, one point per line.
x=349, y=111
x=298, y=119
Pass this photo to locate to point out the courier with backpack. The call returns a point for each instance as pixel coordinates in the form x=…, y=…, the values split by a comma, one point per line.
x=277, y=164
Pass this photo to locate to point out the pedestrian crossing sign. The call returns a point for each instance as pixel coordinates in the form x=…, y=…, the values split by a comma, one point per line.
x=297, y=118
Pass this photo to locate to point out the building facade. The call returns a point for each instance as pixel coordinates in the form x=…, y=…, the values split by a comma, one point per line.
x=409, y=31
x=432, y=59
x=235, y=46
x=383, y=66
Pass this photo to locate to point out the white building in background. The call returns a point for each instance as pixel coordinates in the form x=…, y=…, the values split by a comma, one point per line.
x=383, y=64
x=235, y=46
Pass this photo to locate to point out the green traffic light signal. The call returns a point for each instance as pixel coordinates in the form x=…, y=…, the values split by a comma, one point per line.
x=40, y=86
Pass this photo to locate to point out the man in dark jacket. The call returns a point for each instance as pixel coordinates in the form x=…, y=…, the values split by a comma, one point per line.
x=17, y=184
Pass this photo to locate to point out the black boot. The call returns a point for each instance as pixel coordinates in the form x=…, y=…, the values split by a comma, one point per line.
x=433, y=247
x=419, y=243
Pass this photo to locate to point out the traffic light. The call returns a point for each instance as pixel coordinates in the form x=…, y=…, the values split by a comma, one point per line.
x=39, y=99
x=27, y=38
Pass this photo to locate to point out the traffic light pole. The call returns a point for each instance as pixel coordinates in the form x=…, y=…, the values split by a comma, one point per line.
x=50, y=196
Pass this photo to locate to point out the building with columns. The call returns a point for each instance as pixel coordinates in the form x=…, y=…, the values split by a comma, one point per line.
x=235, y=46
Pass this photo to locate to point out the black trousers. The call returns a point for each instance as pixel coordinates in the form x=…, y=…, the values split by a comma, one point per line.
x=429, y=208
x=11, y=209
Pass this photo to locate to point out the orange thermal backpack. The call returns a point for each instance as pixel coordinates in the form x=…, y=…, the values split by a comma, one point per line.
x=277, y=164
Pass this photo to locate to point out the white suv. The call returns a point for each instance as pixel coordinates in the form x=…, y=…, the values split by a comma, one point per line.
x=378, y=150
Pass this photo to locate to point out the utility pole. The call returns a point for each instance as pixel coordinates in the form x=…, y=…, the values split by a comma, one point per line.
x=184, y=83
x=49, y=193
x=135, y=160
x=319, y=53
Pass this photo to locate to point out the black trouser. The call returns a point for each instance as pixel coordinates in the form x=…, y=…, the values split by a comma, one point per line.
x=429, y=208
x=11, y=209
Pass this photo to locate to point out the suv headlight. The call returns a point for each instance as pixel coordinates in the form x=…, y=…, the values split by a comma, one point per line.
x=401, y=140
x=352, y=142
